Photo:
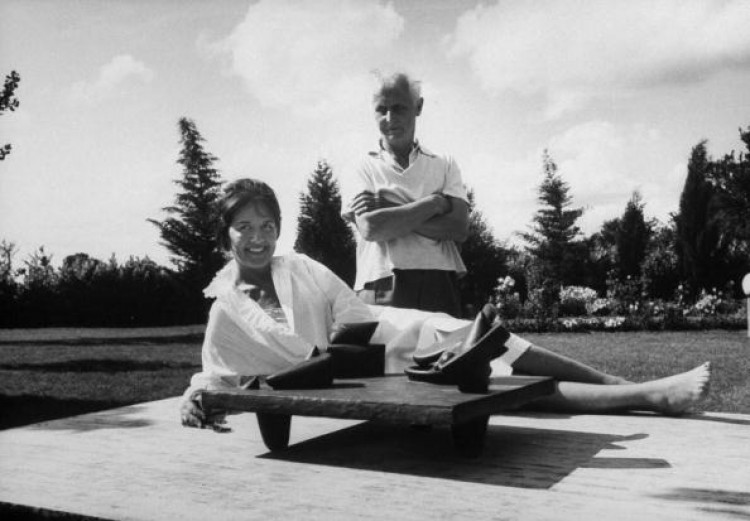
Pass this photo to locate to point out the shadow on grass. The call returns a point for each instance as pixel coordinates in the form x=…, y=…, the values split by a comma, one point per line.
x=100, y=366
x=17, y=411
x=188, y=338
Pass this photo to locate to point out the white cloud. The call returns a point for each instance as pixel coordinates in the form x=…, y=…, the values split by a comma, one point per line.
x=604, y=164
x=112, y=76
x=573, y=51
x=313, y=57
x=504, y=191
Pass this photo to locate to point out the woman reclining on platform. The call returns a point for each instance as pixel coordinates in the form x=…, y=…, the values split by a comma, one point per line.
x=270, y=311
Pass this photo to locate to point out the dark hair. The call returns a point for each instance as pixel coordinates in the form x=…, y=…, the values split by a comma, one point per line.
x=239, y=194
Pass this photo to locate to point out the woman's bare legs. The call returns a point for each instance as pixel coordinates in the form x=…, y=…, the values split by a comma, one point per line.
x=581, y=388
x=543, y=362
x=672, y=395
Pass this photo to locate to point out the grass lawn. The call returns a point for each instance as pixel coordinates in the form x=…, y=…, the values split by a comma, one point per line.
x=53, y=373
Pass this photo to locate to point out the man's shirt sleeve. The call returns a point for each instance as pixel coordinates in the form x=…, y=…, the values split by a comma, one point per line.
x=454, y=184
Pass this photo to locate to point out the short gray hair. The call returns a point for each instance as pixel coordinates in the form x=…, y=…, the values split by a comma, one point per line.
x=398, y=79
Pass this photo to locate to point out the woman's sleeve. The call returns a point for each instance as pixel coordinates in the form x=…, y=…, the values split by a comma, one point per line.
x=211, y=376
x=345, y=305
x=233, y=350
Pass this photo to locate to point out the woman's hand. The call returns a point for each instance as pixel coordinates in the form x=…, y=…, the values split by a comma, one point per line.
x=191, y=413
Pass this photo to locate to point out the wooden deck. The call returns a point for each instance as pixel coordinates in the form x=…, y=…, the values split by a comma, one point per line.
x=138, y=463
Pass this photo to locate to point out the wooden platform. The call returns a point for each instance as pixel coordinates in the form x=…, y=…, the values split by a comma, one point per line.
x=138, y=463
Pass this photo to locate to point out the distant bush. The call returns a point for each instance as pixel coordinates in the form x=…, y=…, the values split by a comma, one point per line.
x=576, y=301
x=737, y=321
x=88, y=292
x=624, y=308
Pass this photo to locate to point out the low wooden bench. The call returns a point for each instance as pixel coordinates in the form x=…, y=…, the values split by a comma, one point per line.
x=393, y=399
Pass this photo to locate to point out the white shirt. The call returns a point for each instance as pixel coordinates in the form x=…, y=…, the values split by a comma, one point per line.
x=426, y=174
x=243, y=340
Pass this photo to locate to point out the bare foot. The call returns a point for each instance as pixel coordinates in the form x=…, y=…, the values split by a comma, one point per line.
x=674, y=395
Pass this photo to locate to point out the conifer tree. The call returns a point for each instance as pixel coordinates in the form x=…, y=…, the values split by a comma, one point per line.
x=632, y=237
x=321, y=232
x=553, y=235
x=698, y=235
x=190, y=233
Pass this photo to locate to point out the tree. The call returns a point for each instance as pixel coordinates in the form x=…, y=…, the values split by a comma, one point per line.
x=8, y=102
x=485, y=260
x=553, y=234
x=632, y=237
x=37, y=300
x=731, y=177
x=321, y=232
x=699, y=251
x=191, y=233
x=8, y=285
x=602, y=251
x=660, y=267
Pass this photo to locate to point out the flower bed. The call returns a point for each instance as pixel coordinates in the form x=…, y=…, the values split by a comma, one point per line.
x=581, y=309
x=625, y=323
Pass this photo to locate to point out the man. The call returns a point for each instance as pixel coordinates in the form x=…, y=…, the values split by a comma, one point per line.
x=411, y=211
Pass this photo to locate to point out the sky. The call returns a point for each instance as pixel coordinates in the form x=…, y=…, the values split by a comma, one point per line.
x=617, y=92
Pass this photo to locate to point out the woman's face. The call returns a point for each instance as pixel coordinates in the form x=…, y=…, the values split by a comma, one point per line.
x=252, y=237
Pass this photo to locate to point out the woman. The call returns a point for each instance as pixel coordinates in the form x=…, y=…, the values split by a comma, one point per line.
x=271, y=311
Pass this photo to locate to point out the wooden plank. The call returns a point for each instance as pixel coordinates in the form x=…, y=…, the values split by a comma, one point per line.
x=389, y=398
x=138, y=463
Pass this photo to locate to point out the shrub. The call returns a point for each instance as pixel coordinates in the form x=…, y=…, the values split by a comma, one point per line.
x=506, y=299
x=576, y=300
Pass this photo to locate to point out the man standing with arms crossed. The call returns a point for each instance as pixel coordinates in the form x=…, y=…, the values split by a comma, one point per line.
x=411, y=211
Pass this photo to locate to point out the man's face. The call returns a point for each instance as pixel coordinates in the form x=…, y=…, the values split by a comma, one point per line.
x=396, y=114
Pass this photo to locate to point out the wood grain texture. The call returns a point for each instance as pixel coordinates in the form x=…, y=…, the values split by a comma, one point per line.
x=387, y=398
x=139, y=463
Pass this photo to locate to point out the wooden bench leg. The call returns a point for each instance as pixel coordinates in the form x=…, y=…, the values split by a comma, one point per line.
x=274, y=428
x=468, y=437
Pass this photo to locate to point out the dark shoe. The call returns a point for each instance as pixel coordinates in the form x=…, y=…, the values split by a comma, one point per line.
x=485, y=342
x=351, y=352
x=428, y=356
x=467, y=365
x=314, y=373
x=358, y=333
x=355, y=361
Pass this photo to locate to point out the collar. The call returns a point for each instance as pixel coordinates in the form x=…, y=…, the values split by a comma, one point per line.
x=416, y=149
x=226, y=277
